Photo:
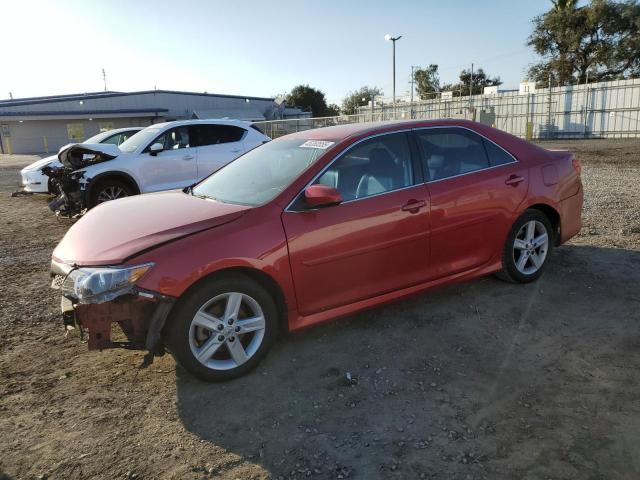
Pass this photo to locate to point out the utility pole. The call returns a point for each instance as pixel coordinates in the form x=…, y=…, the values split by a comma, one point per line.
x=470, y=88
x=373, y=103
x=413, y=67
x=104, y=79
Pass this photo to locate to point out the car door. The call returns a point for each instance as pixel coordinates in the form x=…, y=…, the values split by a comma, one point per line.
x=218, y=144
x=174, y=167
x=375, y=241
x=475, y=187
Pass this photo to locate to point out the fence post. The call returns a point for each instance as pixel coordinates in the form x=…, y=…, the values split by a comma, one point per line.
x=586, y=111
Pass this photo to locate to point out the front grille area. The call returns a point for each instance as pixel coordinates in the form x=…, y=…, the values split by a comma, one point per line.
x=57, y=281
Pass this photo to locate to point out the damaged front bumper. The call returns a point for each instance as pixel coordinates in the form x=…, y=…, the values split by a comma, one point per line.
x=71, y=188
x=69, y=179
x=140, y=314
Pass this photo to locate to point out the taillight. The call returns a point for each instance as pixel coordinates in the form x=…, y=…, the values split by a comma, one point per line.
x=577, y=166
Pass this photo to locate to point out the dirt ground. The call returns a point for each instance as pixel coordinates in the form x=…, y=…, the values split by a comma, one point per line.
x=480, y=380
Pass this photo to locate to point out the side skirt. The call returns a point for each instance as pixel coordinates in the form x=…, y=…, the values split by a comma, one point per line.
x=302, y=322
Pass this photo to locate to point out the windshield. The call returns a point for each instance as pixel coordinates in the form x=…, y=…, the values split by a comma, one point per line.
x=99, y=137
x=262, y=173
x=142, y=138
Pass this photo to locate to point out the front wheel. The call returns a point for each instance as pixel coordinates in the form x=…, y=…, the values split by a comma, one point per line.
x=223, y=328
x=527, y=248
x=109, y=189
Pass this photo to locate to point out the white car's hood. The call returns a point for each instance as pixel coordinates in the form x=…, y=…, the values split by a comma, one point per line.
x=78, y=155
x=43, y=162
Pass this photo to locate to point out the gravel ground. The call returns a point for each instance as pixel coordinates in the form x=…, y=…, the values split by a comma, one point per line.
x=479, y=380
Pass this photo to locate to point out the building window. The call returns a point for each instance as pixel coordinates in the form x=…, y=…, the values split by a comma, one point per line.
x=75, y=132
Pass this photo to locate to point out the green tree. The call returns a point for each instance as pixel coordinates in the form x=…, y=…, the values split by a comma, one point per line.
x=427, y=81
x=601, y=37
x=359, y=98
x=333, y=110
x=309, y=99
x=480, y=80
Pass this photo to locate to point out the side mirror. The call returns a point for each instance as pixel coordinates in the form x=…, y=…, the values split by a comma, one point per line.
x=321, y=196
x=155, y=149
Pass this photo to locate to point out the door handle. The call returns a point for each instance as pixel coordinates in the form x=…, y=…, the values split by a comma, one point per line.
x=413, y=205
x=514, y=180
x=236, y=150
x=188, y=157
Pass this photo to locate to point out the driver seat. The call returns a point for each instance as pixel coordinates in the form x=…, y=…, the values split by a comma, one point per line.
x=382, y=175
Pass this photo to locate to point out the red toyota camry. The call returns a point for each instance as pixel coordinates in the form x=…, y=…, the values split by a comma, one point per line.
x=310, y=227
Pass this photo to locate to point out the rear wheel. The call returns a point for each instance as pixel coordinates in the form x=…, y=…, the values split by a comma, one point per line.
x=223, y=328
x=110, y=189
x=527, y=248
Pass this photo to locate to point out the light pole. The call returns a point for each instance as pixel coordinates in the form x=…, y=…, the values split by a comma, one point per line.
x=413, y=69
x=389, y=38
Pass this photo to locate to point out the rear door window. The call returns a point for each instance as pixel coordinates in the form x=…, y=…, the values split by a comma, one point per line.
x=449, y=152
x=217, y=134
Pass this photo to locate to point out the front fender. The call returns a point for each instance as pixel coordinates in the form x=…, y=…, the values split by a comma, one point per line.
x=255, y=241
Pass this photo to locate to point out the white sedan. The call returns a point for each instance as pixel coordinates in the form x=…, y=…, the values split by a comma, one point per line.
x=164, y=156
x=34, y=181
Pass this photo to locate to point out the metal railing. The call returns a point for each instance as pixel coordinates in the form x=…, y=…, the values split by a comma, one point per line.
x=604, y=109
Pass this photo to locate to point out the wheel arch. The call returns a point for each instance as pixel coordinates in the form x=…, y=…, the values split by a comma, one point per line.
x=260, y=277
x=117, y=174
x=554, y=217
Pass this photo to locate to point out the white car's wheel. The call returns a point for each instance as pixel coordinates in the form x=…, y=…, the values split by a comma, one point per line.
x=109, y=189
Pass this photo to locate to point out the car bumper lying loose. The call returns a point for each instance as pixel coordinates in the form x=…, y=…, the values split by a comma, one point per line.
x=140, y=314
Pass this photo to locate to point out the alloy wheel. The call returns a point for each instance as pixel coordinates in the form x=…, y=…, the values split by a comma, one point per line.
x=111, y=193
x=530, y=247
x=227, y=331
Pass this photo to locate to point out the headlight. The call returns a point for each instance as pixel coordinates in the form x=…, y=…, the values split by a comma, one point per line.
x=103, y=284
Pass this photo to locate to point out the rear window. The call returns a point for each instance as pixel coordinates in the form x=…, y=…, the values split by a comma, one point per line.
x=216, y=134
x=449, y=152
x=497, y=156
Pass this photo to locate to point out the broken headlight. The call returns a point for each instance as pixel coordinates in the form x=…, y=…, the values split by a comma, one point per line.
x=103, y=284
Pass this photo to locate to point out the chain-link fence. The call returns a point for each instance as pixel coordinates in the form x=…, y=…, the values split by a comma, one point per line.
x=604, y=109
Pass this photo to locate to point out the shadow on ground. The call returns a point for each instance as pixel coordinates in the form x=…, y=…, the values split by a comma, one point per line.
x=481, y=379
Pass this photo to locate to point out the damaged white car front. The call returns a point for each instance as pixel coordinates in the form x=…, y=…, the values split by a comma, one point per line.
x=71, y=180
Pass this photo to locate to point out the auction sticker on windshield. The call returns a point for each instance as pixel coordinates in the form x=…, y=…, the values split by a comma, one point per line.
x=321, y=144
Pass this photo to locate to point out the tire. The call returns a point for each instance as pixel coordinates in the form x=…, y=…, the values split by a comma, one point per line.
x=521, y=241
x=109, y=189
x=218, y=346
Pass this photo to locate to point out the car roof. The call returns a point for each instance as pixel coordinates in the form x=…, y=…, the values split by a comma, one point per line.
x=115, y=131
x=343, y=132
x=216, y=121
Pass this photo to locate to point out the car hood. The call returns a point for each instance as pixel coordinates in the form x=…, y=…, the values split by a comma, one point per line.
x=115, y=231
x=79, y=155
x=41, y=163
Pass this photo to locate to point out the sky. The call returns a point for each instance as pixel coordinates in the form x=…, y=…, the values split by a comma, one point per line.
x=256, y=48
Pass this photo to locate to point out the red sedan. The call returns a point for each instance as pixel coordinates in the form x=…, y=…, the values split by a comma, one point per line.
x=310, y=227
